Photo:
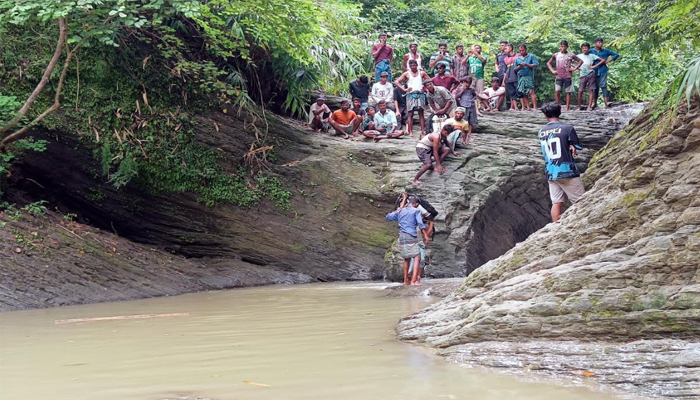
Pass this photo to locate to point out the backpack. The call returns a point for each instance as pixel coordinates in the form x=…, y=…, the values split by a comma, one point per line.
x=424, y=203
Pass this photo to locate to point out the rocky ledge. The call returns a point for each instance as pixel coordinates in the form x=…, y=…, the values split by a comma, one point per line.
x=492, y=197
x=622, y=265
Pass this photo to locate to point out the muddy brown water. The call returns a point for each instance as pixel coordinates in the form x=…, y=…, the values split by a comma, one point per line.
x=328, y=341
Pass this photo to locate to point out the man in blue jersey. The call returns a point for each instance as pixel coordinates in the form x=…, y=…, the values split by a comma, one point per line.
x=409, y=219
x=601, y=73
x=559, y=145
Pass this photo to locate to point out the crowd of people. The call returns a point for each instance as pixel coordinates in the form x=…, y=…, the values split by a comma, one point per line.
x=453, y=98
x=456, y=94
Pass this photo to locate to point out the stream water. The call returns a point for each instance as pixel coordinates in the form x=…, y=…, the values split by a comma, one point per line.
x=329, y=341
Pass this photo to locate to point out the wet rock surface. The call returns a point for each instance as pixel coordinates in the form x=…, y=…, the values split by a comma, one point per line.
x=623, y=264
x=668, y=368
x=492, y=196
x=495, y=194
x=429, y=288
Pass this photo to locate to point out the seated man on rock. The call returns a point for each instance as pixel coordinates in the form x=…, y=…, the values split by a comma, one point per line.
x=459, y=123
x=493, y=97
x=318, y=114
x=383, y=90
x=344, y=121
x=435, y=146
x=385, y=124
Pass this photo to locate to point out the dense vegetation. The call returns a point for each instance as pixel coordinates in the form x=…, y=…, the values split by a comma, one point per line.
x=129, y=76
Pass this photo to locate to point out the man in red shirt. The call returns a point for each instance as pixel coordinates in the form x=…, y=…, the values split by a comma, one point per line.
x=382, y=54
x=449, y=82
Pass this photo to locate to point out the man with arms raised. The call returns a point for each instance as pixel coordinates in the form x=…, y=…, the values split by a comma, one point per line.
x=441, y=57
x=415, y=98
x=410, y=219
x=559, y=145
x=564, y=66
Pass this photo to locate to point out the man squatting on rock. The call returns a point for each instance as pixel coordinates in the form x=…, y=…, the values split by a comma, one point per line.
x=410, y=219
x=559, y=145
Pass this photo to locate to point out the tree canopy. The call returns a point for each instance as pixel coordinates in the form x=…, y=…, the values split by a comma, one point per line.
x=129, y=76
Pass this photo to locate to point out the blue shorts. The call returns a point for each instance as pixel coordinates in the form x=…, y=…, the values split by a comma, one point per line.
x=603, y=80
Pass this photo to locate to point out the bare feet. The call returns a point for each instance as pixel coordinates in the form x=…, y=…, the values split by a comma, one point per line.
x=417, y=182
x=417, y=283
x=479, y=114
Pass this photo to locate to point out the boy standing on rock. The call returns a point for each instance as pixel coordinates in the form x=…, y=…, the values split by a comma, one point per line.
x=559, y=145
x=409, y=219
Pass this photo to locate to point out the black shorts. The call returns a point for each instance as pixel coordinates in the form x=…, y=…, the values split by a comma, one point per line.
x=425, y=155
x=512, y=90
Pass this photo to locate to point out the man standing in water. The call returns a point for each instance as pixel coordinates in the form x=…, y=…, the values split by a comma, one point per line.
x=559, y=145
x=409, y=219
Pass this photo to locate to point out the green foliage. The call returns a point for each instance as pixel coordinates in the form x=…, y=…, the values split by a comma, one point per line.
x=688, y=82
x=37, y=208
x=655, y=38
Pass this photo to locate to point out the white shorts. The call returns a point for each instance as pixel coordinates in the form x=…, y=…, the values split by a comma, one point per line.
x=560, y=189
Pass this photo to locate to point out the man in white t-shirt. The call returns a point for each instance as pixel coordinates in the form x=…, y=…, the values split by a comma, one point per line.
x=383, y=90
x=493, y=97
x=318, y=114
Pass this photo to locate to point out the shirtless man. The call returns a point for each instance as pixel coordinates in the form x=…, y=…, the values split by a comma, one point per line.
x=429, y=147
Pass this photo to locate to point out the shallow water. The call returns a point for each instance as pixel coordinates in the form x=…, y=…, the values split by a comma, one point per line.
x=330, y=341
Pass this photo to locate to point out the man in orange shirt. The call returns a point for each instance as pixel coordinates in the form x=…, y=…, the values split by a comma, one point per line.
x=345, y=121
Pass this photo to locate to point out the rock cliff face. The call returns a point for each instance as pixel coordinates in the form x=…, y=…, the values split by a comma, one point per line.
x=492, y=197
x=623, y=264
x=495, y=194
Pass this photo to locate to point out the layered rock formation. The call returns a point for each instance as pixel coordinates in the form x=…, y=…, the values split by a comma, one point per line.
x=623, y=264
x=492, y=197
x=495, y=194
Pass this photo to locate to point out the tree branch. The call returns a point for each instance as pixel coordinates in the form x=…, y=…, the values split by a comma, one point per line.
x=55, y=106
x=62, y=34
